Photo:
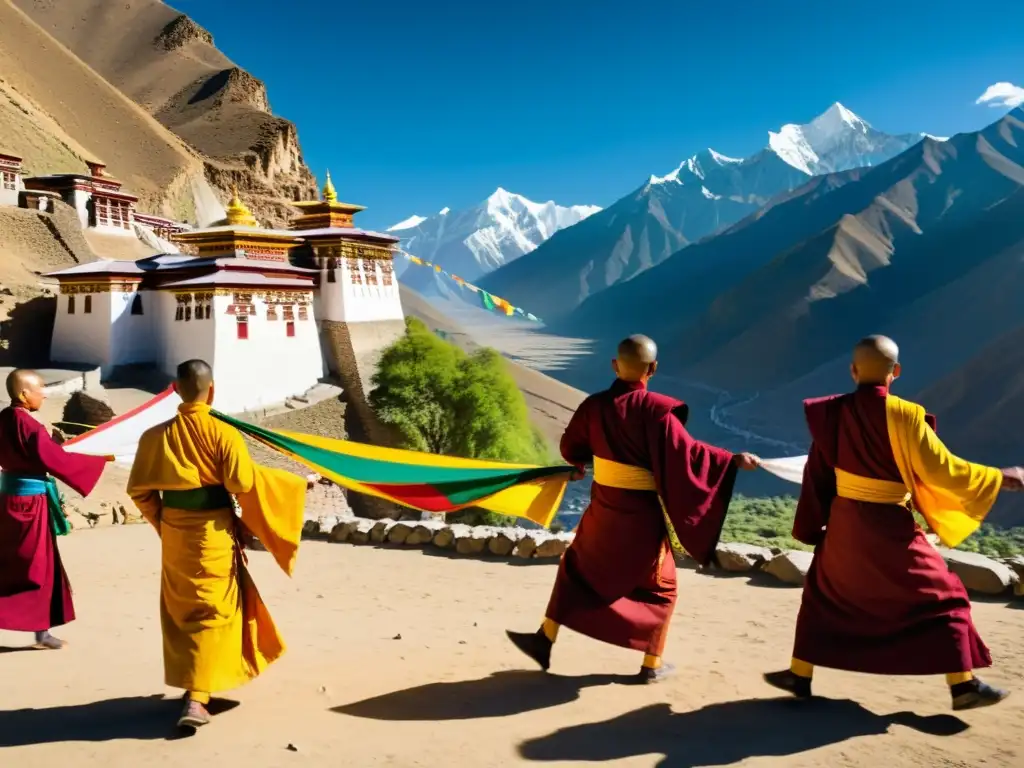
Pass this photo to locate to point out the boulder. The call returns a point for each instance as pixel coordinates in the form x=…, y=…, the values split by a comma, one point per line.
x=342, y=531
x=379, y=532
x=553, y=546
x=979, y=573
x=472, y=541
x=445, y=537
x=399, y=532
x=423, y=532
x=82, y=408
x=526, y=546
x=790, y=567
x=361, y=531
x=737, y=557
x=311, y=528
x=504, y=541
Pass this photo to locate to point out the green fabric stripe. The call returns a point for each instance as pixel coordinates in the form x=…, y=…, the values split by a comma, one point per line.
x=460, y=485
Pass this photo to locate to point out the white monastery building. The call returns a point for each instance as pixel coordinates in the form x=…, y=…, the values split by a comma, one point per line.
x=273, y=311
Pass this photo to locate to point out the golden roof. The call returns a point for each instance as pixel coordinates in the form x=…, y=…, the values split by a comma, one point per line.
x=330, y=194
x=237, y=214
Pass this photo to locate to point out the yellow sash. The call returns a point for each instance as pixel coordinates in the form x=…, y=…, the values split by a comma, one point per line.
x=622, y=476
x=869, y=489
x=628, y=478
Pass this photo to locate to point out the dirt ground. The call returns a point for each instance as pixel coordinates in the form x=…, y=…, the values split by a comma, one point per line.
x=398, y=658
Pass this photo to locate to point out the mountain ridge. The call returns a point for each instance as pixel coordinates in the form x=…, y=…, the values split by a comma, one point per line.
x=706, y=194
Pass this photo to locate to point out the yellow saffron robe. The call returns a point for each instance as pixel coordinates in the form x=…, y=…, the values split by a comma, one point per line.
x=217, y=632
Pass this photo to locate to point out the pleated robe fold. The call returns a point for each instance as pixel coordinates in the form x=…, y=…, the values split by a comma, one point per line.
x=217, y=631
x=617, y=581
x=879, y=597
x=35, y=594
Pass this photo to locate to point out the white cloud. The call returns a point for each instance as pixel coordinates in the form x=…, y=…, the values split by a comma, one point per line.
x=1002, y=95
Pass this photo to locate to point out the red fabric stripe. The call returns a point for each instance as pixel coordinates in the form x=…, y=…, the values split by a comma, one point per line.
x=423, y=496
x=123, y=417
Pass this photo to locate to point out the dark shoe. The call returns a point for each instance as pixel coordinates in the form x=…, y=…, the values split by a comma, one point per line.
x=534, y=644
x=47, y=642
x=193, y=715
x=975, y=694
x=648, y=676
x=787, y=681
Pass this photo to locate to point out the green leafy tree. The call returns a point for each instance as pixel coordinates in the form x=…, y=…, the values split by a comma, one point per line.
x=443, y=401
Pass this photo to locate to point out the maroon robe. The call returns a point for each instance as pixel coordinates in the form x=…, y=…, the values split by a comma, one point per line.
x=617, y=582
x=34, y=591
x=878, y=597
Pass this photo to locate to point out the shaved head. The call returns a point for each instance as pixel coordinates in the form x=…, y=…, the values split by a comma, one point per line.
x=876, y=360
x=25, y=387
x=194, y=380
x=637, y=358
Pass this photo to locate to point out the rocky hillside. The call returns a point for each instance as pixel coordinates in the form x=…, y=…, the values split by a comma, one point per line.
x=169, y=65
x=56, y=113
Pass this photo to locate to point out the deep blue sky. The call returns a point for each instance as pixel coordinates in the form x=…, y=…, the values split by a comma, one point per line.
x=417, y=105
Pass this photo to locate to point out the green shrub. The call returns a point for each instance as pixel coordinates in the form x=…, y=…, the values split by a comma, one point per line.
x=441, y=400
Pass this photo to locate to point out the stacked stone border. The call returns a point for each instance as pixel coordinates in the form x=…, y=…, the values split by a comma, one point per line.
x=980, y=574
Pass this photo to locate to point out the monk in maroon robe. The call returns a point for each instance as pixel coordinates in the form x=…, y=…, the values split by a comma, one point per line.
x=34, y=591
x=879, y=597
x=652, y=481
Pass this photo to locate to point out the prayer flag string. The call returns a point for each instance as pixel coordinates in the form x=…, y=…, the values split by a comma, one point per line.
x=488, y=301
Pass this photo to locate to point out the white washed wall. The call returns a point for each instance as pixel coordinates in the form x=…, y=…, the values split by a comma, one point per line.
x=269, y=366
x=181, y=340
x=83, y=338
x=132, y=336
x=343, y=301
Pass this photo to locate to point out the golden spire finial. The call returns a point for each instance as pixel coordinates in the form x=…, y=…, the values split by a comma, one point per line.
x=237, y=214
x=330, y=194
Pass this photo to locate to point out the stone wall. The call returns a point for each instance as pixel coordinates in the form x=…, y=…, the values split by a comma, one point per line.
x=980, y=575
x=354, y=351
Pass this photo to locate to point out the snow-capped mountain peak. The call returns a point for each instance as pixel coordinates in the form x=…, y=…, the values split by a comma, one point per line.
x=444, y=211
x=835, y=140
x=478, y=240
x=412, y=221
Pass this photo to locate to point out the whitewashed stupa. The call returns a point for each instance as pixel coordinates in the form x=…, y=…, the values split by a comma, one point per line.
x=273, y=311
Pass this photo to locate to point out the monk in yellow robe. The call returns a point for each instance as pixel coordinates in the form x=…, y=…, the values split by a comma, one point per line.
x=878, y=597
x=187, y=476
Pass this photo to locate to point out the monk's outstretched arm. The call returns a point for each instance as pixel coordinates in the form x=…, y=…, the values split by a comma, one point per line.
x=695, y=481
x=975, y=484
x=78, y=471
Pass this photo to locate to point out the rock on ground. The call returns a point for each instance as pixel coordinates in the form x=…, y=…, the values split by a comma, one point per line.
x=790, y=567
x=737, y=557
x=979, y=573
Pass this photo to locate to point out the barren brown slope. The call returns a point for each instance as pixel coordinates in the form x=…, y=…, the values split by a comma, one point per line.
x=151, y=161
x=169, y=65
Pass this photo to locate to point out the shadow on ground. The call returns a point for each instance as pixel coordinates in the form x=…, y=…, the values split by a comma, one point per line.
x=726, y=733
x=499, y=695
x=141, y=718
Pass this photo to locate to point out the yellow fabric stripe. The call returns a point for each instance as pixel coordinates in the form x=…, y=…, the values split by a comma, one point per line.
x=952, y=494
x=550, y=629
x=955, y=678
x=801, y=668
x=537, y=501
x=623, y=476
x=397, y=455
x=869, y=489
x=199, y=697
x=651, y=662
